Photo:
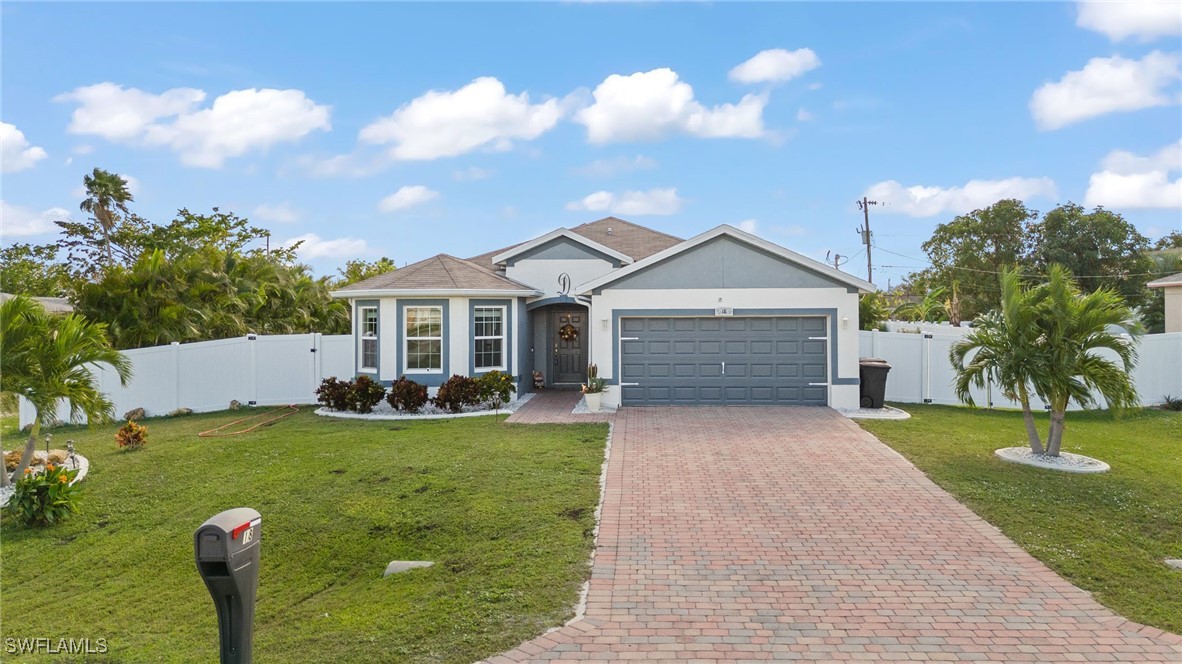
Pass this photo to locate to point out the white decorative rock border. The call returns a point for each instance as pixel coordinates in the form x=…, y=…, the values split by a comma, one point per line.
x=83, y=468
x=1066, y=461
x=383, y=412
x=884, y=413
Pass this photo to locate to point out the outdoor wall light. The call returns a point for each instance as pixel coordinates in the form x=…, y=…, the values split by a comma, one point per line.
x=604, y=322
x=845, y=322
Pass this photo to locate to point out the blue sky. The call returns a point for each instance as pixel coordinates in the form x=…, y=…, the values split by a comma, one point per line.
x=407, y=130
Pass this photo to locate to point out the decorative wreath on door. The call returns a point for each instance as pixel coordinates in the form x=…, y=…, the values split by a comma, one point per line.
x=568, y=332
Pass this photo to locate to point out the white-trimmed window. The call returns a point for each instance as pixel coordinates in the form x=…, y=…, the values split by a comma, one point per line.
x=368, y=320
x=488, y=352
x=423, y=339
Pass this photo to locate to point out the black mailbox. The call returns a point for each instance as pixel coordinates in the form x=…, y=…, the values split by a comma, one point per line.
x=227, y=551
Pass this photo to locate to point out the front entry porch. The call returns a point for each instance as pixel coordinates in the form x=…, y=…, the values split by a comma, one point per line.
x=560, y=336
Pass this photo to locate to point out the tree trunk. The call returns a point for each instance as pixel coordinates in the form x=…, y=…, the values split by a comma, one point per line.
x=1055, y=436
x=27, y=457
x=1028, y=416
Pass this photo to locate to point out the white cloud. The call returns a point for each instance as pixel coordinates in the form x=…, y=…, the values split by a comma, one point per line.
x=407, y=197
x=921, y=201
x=606, y=168
x=776, y=65
x=83, y=148
x=1131, y=181
x=471, y=173
x=237, y=122
x=1106, y=85
x=1145, y=20
x=16, y=153
x=815, y=86
x=282, y=213
x=748, y=226
x=316, y=247
x=445, y=124
x=636, y=203
x=649, y=105
x=16, y=221
x=804, y=115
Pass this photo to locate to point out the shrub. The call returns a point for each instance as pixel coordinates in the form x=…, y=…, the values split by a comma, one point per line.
x=407, y=395
x=45, y=497
x=495, y=387
x=1170, y=403
x=131, y=436
x=457, y=392
x=365, y=393
x=334, y=394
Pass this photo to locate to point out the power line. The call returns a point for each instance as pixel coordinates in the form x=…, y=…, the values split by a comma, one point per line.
x=970, y=269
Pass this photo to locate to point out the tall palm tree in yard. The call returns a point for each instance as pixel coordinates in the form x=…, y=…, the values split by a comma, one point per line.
x=1048, y=339
x=46, y=359
x=106, y=194
x=1007, y=349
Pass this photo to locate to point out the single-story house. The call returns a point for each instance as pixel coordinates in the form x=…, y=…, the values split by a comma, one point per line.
x=53, y=305
x=1171, y=287
x=724, y=317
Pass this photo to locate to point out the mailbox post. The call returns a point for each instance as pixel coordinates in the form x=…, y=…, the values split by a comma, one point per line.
x=227, y=551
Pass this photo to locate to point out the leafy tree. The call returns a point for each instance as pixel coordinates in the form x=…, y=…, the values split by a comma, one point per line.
x=1171, y=241
x=46, y=360
x=1100, y=247
x=1153, y=314
x=872, y=311
x=1005, y=348
x=33, y=270
x=87, y=246
x=973, y=247
x=360, y=270
x=106, y=195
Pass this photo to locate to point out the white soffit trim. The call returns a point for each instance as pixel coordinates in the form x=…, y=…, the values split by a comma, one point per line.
x=726, y=229
x=561, y=232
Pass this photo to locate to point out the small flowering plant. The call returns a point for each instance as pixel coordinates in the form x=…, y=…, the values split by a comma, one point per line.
x=495, y=388
x=131, y=436
x=44, y=497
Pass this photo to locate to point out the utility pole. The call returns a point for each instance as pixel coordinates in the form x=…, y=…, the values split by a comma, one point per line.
x=864, y=205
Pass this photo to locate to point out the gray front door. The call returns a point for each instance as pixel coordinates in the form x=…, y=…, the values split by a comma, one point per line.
x=723, y=360
x=570, y=346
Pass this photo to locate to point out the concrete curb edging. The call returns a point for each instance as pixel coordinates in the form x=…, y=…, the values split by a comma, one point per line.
x=1068, y=462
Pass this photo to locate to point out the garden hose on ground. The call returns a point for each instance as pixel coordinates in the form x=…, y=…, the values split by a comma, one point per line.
x=290, y=410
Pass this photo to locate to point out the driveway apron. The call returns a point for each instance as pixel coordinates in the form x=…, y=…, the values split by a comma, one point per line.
x=753, y=534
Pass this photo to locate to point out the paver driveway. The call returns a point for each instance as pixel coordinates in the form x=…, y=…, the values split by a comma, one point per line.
x=790, y=533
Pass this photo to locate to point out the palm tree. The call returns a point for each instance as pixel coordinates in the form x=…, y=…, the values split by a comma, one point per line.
x=930, y=310
x=1047, y=339
x=106, y=193
x=45, y=360
x=1076, y=327
x=1009, y=350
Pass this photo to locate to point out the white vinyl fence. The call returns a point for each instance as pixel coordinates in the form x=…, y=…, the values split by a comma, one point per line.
x=922, y=373
x=260, y=370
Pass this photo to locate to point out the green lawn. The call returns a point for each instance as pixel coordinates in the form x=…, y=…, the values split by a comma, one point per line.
x=1106, y=533
x=507, y=511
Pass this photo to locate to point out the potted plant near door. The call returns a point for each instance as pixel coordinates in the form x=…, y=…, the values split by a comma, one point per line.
x=593, y=389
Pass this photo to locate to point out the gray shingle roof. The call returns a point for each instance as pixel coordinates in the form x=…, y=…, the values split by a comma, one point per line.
x=1172, y=280
x=623, y=236
x=442, y=272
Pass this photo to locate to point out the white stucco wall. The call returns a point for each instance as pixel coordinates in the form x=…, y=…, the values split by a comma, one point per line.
x=846, y=329
x=543, y=273
x=1173, y=309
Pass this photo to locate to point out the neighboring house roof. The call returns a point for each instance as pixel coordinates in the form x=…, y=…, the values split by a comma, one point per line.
x=1166, y=282
x=53, y=305
x=625, y=237
x=443, y=275
x=731, y=231
x=561, y=233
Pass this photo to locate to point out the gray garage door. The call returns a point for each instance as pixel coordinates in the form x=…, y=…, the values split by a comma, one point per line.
x=723, y=360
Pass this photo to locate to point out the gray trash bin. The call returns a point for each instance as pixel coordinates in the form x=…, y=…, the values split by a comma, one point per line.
x=872, y=377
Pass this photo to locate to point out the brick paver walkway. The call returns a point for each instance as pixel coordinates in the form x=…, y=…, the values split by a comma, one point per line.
x=789, y=533
x=554, y=407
